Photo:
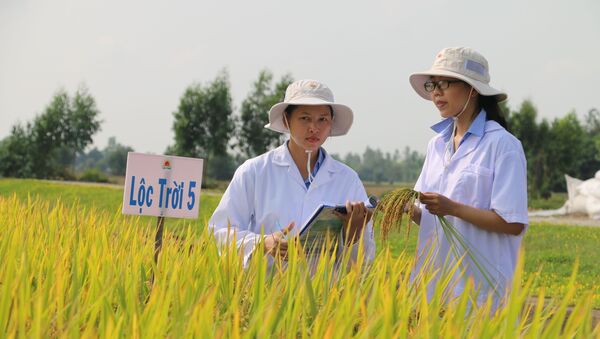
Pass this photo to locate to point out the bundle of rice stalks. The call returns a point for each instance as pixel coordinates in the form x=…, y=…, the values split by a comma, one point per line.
x=400, y=203
x=394, y=206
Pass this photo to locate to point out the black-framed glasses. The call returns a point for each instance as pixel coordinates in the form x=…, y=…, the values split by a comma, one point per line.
x=441, y=84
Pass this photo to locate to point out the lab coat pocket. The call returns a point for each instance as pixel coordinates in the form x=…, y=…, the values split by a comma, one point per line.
x=475, y=186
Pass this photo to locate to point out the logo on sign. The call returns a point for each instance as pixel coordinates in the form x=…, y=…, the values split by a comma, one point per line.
x=166, y=165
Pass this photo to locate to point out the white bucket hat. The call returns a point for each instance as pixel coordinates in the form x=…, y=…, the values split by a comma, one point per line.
x=312, y=93
x=461, y=63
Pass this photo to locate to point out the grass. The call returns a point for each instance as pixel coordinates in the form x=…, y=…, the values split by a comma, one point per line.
x=101, y=197
x=554, y=249
x=550, y=250
x=555, y=201
x=379, y=189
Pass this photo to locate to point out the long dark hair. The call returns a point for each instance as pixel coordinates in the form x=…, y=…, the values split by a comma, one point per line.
x=491, y=107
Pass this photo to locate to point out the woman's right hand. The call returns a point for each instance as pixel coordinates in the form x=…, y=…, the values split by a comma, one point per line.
x=275, y=243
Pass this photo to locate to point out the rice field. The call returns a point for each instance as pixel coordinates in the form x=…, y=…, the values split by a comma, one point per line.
x=74, y=266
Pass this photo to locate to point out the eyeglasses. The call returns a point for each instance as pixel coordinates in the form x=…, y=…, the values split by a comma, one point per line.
x=441, y=84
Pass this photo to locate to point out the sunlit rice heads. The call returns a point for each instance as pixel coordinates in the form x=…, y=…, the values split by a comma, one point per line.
x=393, y=207
x=67, y=272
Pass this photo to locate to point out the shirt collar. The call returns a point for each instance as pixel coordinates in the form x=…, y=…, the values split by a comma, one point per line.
x=477, y=127
x=318, y=164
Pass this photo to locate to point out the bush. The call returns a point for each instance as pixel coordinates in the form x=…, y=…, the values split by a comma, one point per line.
x=93, y=175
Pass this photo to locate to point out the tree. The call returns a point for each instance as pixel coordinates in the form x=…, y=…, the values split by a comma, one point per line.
x=538, y=173
x=253, y=138
x=592, y=121
x=111, y=160
x=374, y=168
x=534, y=139
x=410, y=165
x=524, y=126
x=91, y=159
x=592, y=144
x=353, y=160
x=48, y=137
x=566, y=149
x=204, y=124
x=391, y=167
x=115, y=157
x=15, y=157
x=53, y=140
x=81, y=122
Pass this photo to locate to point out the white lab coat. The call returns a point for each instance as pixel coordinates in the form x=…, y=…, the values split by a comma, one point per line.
x=268, y=191
x=488, y=171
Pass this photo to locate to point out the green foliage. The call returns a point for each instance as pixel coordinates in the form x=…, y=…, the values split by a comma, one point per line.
x=592, y=146
x=533, y=137
x=93, y=175
x=564, y=146
x=554, y=201
x=46, y=147
x=203, y=123
x=15, y=156
x=112, y=160
x=81, y=121
x=592, y=121
x=254, y=139
x=376, y=166
x=550, y=250
x=107, y=198
x=221, y=167
x=567, y=149
x=115, y=157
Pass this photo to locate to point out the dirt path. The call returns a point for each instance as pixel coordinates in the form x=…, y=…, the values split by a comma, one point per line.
x=571, y=220
x=595, y=313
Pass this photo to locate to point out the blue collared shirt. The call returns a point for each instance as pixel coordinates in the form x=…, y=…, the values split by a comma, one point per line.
x=318, y=164
x=445, y=126
x=487, y=171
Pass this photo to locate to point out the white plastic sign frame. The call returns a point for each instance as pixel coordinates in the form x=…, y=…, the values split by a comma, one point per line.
x=162, y=186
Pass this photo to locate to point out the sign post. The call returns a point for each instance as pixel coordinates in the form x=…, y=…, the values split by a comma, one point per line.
x=162, y=186
x=160, y=222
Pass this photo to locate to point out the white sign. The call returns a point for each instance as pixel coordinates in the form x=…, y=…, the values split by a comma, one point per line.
x=162, y=186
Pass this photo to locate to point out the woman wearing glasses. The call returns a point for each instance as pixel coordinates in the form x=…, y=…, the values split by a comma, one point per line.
x=474, y=174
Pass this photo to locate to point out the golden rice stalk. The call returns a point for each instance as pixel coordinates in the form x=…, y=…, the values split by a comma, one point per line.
x=393, y=206
x=400, y=202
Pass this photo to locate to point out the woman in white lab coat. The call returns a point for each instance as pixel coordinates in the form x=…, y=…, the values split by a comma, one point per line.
x=280, y=189
x=475, y=173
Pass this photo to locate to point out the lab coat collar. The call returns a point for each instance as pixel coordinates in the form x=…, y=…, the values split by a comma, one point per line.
x=283, y=157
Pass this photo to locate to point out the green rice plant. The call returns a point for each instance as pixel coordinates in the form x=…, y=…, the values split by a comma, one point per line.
x=71, y=271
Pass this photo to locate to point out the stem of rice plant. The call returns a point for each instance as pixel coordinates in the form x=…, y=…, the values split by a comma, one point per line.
x=397, y=204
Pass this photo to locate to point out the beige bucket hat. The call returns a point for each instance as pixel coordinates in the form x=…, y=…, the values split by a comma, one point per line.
x=461, y=63
x=312, y=93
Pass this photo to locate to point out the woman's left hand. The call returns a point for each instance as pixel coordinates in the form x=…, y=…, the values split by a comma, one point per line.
x=438, y=204
x=356, y=218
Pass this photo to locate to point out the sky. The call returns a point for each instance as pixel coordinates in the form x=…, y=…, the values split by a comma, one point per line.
x=138, y=57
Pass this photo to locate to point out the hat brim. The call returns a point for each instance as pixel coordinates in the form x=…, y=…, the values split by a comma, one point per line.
x=342, y=115
x=417, y=81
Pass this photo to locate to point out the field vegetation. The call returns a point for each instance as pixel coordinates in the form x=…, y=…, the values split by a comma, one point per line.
x=74, y=266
